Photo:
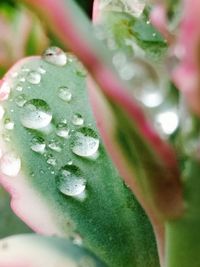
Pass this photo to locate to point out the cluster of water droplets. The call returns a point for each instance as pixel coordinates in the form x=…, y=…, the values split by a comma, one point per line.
x=49, y=138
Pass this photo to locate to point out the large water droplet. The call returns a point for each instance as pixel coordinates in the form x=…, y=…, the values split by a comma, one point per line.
x=10, y=164
x=36, y=114
x=64, y=93
x=55, y=56
x=62, y=130
x=77, y=119
x=70, y=181
x=34, y=77
x=9, y=124
x=85, y=142
x=38, y=145
x=20, y=100
x=167, y=121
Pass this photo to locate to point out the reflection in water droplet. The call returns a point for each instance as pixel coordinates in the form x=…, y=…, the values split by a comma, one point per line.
x=64, y=93
x=8, y=124
x=10, y=164
x=55, y=145
x=20, y=100
x=36, y=114
x=77, y=119
x=38, y=145
x=167, y=122
x=70, y=181
x=85, y=142
x=34, y=77
x=56, y=56
x=62, y=130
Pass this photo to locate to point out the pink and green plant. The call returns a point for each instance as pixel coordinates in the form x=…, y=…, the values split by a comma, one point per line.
x=100, y=144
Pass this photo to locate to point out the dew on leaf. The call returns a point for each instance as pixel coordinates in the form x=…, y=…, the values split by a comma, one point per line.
x=85, y=142
x=38, y=145
x=77, y=119
x=70, y=181
x=20, y=100
x=62, y=130
x=64, y=93
x=35, y=114
x=9, y=124
x=55, y=56
x=34, y=77
x=51, y=160
x=55, y=145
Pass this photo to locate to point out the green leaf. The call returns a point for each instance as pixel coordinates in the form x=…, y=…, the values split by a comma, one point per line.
x=106, y=218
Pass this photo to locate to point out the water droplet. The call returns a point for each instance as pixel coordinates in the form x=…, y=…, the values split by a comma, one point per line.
x=2, y=111
x=76, y=239
x=149, y=90
x=80, y=69
x=119, y=59
x=34, y=77
x=167, y=121
x=77, y=119
x=65, y=94
x=10, y=164
x=148, y=22
x=19, y=88
x=20, y=100
x=36, y=114
x=8, y=124
x=38, y=145
x=55, y=56
x=70, y=162
x=51, y=160
x=70, y=181
x=55, y=145
x=62, y=130
x=22, y=79
x=41, y=70
x=85, y=142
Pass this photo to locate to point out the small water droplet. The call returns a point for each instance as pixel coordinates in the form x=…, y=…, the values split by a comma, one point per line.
x=70, y=162
x=64, y=93
x=62, y=130
x=126, y=72
x=167, y=121
x=22, y=79
x=70, y=181
x=148, y=22
x=55, y=145
x=119, y=59
x=42, y=171
x=76, y=239
x=85, y=142
x=80, y=69
x=77, y=119
x=10, y=164
x=154, y=34
x=34, y=77
x=36, y=114
x=41, y=70
x=56, y=56
x=20, y=100
x=8, y=124
x=19, y=88
x=38, y=145
x=51, y=160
